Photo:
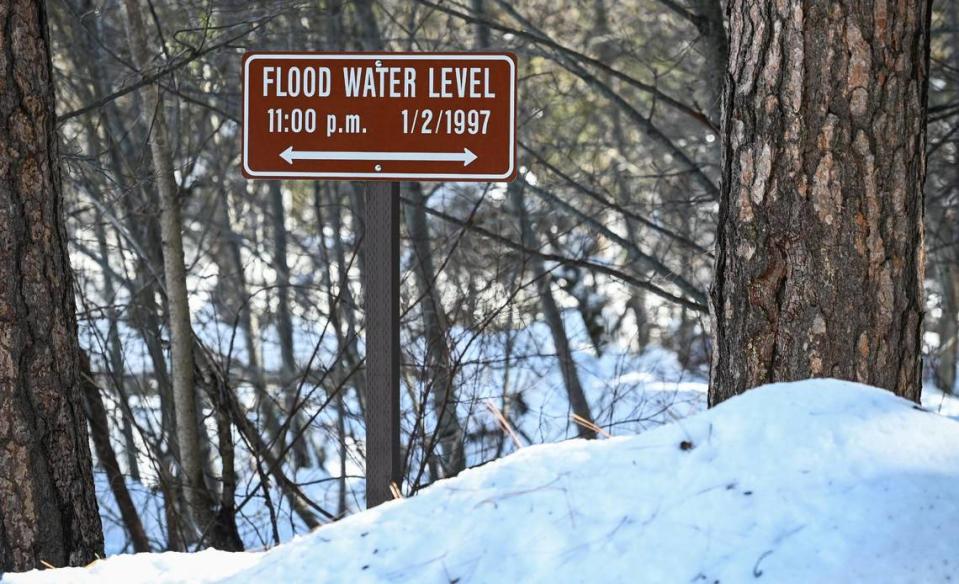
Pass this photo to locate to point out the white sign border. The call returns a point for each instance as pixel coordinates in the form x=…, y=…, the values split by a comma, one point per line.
x=382, y=175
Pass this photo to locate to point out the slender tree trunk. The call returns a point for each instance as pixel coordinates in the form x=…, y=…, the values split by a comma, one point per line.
x=86, y=58
x=347, y=301
x=284, y=322
x=480, y=30
x=181, y=332
x=948, y=325
x=224, y=532
x=949, y=256
x=625, y=194
x=438, y=361
x=115, y=349
x=819, y=269
x=714, y=47
x=685, y=335
x=100, y=433
x=114, y=345
x=334, y=306
x=235, y=281
x=138, y=203
x=48, y=508
x=298, y=502
x=370, y=36
x=552, y=314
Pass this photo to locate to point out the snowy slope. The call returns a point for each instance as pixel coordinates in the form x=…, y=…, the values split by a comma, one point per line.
x=818, y=481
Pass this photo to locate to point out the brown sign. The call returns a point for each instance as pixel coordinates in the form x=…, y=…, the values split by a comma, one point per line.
x=390, y=116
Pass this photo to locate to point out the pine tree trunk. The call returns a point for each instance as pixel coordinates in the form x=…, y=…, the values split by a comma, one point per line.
x=48, y=508
x=819, y=269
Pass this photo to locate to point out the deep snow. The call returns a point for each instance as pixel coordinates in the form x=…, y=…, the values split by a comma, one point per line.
x=816, y=481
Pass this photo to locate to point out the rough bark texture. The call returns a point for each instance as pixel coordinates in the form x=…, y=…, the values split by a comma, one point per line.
x=48, y=511
x=819, y=267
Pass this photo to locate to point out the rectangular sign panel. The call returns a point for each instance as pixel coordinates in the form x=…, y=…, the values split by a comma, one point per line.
x=390, y=116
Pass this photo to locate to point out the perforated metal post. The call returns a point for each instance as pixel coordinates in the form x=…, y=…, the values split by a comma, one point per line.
x=382, y=243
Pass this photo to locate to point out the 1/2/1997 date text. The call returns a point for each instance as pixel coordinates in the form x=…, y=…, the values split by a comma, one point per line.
x=456, y=121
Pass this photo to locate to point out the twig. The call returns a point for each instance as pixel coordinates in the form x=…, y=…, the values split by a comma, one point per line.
x=503, y=422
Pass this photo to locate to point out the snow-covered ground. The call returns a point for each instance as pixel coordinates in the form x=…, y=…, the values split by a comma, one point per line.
x=817, y=481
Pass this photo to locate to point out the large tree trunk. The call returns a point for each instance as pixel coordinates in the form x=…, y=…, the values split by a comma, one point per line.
x=48, y=509
x=819, y=270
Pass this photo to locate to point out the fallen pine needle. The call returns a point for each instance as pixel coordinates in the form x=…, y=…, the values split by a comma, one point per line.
x=503, y=422
x=589, y=425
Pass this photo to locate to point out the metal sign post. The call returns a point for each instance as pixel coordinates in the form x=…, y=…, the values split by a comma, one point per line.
x=382, y=242
x=380, y=117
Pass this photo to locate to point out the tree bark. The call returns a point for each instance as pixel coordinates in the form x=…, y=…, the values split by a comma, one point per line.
x=819, y=269
x=48, y=508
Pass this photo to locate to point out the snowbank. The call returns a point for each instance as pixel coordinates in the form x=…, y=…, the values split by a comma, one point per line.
x=817, y=481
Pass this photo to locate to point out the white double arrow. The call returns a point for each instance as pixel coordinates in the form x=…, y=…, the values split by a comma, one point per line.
x=466, y=156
